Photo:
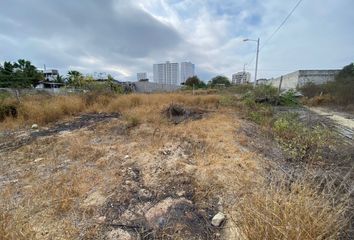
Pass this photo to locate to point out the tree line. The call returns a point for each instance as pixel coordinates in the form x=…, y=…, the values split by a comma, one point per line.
x=20, y=74
x=214, y=82
x=23, y=74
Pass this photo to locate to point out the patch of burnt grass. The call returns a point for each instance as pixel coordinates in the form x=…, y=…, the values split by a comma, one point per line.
x=8, y=111
x=178, y=113
x=162, y=212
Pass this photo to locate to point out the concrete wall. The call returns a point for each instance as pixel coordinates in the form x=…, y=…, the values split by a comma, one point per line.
x=150, y=87
x=301, y=77
x=316, y=76
x=289, y=81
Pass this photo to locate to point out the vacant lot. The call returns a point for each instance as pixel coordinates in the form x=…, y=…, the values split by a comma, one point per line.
x=162, y=166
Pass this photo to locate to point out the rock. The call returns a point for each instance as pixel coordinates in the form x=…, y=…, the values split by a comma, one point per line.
x=158, y=214
x=38, y=159
x=101, y=219
x=119, y=234
x=218, y=219
x=126, y=157
x=94, y=199
x=144, y=194
x=181, y=193
x=34, y=126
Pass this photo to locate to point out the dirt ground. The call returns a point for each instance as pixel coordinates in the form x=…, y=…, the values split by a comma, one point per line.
x=95, y=177
x=344, y=122
x=98, y=176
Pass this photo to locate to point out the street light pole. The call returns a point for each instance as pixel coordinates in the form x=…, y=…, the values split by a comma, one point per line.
x=255, y=72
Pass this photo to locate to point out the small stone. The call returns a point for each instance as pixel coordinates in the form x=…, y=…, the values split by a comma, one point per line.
x=38, y=159
x=101, y=219
x=144, y=194
x=181, y=193
x=218, y=219
x=94, y=199
x=119, y=234
x=34, y=126
x=126, y=157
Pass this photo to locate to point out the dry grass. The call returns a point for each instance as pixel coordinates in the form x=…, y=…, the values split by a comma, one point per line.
x=47, y=201
x=318, y=100
x=46, y=109
x=297, y=212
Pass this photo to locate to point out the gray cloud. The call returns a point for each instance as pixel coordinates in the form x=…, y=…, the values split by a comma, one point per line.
x=64, y=33
x=124, y=37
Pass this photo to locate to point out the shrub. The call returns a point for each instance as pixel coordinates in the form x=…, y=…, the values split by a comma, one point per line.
x=300, y=142
x=7, y=111
x=132, y=121
x=311, y=90
x=288, y=99
x=265, y=91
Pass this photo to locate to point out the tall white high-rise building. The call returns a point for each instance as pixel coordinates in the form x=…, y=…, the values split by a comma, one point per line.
x=241, y=78
x=187, y=71
x=166, y=73
x=141, y=76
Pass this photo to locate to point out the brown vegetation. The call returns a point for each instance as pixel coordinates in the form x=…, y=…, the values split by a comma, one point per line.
x=63, y=186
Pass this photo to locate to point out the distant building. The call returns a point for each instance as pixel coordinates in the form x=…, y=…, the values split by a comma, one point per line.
x=51, y=75
x=166, y=73
x=301, y=77
x=241, y=78
x=141, y=76
x=187, y=71
x=50, y=80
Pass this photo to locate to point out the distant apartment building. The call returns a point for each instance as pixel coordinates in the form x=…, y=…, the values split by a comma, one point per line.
x=241, y=78
x=141, y=76
x=166, y=73
x=187, y=71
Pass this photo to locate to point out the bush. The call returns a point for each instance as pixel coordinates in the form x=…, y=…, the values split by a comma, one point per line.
x=132, y=121
x=300, y=142
x=288, y=99
x=311, y=90
x=265, y=91
x=7, y=110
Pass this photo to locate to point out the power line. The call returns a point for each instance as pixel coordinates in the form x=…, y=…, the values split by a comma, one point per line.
x=282, y=24
x=279, y=27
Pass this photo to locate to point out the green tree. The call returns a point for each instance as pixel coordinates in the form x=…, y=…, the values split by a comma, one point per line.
x=195, y=81
x=220, y=80
x=343, y=86
x=59, y=79
x=19, y=74
x=75, y=79
x=113, y=86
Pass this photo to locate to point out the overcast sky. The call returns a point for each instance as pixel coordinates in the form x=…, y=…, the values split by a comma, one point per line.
x=124, y=37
